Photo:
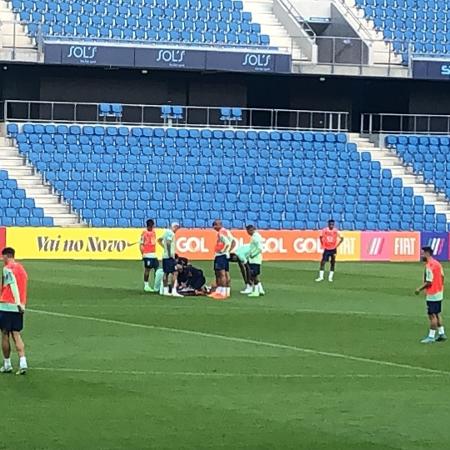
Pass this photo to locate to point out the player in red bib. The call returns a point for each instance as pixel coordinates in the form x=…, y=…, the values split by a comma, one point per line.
x=148, y=251
x=12, y=307
x=331, y=239
x=433, y=285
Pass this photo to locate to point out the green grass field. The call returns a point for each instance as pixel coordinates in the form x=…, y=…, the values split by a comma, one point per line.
x=306, y=367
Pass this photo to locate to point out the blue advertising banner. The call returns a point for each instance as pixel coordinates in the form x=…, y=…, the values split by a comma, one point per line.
x=167, y=58
x=439, y=242
x=431, y=69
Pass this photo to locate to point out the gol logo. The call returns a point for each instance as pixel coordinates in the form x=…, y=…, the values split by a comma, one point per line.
x=192, y=245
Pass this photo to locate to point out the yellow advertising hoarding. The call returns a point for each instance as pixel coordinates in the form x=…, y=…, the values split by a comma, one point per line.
x=350, y=249
x=76, y=243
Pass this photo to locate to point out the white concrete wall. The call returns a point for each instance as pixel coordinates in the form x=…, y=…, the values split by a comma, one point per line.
x=313, y=8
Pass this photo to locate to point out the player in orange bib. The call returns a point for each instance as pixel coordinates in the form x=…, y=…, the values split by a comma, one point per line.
x=331, y=239
x=148, y=251
x=12, y=307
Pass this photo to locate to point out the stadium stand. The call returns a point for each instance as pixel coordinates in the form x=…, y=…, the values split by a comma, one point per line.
x=422, y=26
x=219, y=22
x=118, y=176
x=16, y=208
x=428, y=156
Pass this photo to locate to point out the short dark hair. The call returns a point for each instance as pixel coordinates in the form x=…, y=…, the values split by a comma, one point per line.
x=9, y=251
x=150, y=222
x=331, y=221
x=428, y=250
x=250, y=227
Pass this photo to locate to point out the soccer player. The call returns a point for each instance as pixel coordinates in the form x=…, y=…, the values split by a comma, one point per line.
x=168, y=243
x=331, y=239
x=12, y=307
x=148, y=251
x=434, y=286
x=224, y=245
x=240, y=256
x=255, y=261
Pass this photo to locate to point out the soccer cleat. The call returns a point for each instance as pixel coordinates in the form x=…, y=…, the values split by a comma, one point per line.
x=253, y=294
x=262, y=291
x=217, y=296
x=441, y=338
x=428, y=340
x=176, y=294
x=4, y=369
x=247, y=290
x=319, y=279
x=22, y=371
x=148, y=289
x=330, y=280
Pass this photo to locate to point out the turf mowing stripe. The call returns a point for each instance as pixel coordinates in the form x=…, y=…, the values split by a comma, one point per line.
x=231, y=375
x=246, y=341
x=243, y=308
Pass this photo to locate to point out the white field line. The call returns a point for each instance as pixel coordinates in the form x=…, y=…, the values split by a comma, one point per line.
x=247, y=341
x=287, y=376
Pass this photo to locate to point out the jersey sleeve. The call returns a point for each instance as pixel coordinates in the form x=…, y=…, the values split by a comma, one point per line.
x=8, y=277
x=428, y=275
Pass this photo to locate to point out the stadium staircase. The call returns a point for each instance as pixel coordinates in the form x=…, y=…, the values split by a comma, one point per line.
x=14, y=34
x=262, y=12
x=365, y=28
x=34, y=186
x=389, y=160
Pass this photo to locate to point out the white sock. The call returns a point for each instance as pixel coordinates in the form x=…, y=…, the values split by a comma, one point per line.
x=23, y=362
x=7, y=363
x=227, y=291
x=166, y=290
x=432, y=334
x=441, y=330
x=259, y=287
x=321, y=273
x=331, y=275
x=248, y=287
x=146, y=284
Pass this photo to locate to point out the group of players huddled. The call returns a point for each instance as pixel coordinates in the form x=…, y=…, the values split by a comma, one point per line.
x=179, y=278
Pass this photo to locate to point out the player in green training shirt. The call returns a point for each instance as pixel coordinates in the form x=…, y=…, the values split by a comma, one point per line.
x=255, y=257
x=168, y=243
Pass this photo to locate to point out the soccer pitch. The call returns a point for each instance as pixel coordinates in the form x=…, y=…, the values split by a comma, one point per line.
x=308, y=366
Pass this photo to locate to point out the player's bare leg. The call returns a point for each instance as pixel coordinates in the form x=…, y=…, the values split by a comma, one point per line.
x=147, y=287
x=6, y=349
x=332, y=267
x=175, y=285
x=254, y=284
x=20, y=347
x=245, y=276
x=321, y=270
x=166, y=284
x=441, y=330
x=433, y=329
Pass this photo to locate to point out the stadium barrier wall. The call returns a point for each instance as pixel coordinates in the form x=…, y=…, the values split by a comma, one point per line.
x=198, y=244
x=2, y=237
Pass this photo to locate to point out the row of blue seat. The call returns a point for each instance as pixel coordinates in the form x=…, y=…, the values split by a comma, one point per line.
x=159, y=132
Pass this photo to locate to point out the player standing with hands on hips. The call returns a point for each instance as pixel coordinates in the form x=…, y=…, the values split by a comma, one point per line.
x=433, y=285
x=12, y=307
x=331, y=239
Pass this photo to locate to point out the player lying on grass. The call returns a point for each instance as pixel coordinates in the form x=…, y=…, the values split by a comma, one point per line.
x=331, y=239
x=191, y=280
x=12, y=307
x=148, y=251
x=168, y=243
x=433, y=285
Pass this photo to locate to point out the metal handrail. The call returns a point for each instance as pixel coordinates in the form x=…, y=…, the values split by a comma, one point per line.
x=193, y=116
x=382, y=123
x=295, y=13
